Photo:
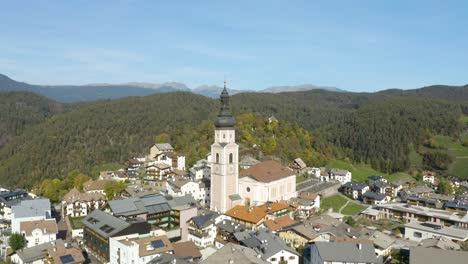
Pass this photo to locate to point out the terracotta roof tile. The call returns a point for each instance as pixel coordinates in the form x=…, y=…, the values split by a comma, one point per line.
x=254, y=214
x=267, y=171
x=279, y=223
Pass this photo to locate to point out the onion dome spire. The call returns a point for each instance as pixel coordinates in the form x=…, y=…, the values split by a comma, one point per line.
x=224, y=119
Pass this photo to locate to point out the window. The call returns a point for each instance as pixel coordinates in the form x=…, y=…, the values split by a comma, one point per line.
x=217, y=157
x=231, y=158
x=417, y=234
x=224, y=135
x=248, y=189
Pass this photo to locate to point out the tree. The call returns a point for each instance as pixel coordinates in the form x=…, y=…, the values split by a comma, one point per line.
x=80, y=180
x=162, y=138
x=350, y=221
x=113, y=188
x=445, y=187
x=17, y=241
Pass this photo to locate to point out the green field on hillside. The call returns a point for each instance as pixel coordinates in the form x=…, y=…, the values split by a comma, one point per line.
x=459, y=152
x=352, y=209
x=335, y=202
x=360, y=172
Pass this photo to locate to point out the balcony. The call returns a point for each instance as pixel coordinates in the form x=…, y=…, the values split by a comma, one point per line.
x=198, y=233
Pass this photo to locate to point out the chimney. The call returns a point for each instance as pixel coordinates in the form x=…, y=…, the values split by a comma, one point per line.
x=359, y=245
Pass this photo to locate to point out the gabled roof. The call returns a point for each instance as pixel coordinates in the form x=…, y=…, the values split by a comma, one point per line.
x=375, y=196
x=358, y=186
x=47, y=226
x=267, y=171
x=31, y=254
x=420, y=255
x=347, y=252
x=203, y=221
x=439, y=242
x=104, y=224
x=300, y=162
x=164, y=146
x=97, y=185
x=150, y=204
x=279, y=223
x=264, y=242
x=30, y=208
x=74, y=195
x=248, y=161
x=379, y=239
x=236, y=254
x=186, y=250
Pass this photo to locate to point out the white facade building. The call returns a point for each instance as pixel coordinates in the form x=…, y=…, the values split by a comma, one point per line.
x=76, y=204
x=39, y=231
x=184, y=187
x=137, y=249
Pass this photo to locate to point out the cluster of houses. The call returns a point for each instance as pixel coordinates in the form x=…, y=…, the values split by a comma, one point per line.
x=164, y=217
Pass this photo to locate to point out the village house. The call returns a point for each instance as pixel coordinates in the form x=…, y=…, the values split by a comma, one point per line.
x=174, y=160
x=158, y=171
x=187, y=251
x=65, y=253
x=39, y=231
x=201, y=170
x=382, y=242
x=10, y=198
x=247, y=161
x=266, y=181
x=225, y=232
x=136, y=249
x=76, y=203
x=355, y=189
x=268, y=246
x=340, y=253
x=428, y=176
x=418, y=191
x=182, y=187
x=417, y=231
x=422, y=255
x=95, y=186
x=307, y=204
x=159, y=148
x=375, y=198
x=253, y=217
x=279, y=223
x=234, y=254
x=202, y=229
x=342, y=176
x=317, y=228
x=99, y=227
x=409, y=213
x=166, y=214
x=298, y=165
x=439, y=242
x=30, y=210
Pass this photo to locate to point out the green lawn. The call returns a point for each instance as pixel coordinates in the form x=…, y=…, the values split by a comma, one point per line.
x=459, y=152
x=105, y=167
x=76, y=222
x=360, y=172
x=335, y=202
x=300, y=178
x=352, y=209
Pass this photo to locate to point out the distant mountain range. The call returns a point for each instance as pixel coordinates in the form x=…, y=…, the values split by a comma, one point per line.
x=91, y=92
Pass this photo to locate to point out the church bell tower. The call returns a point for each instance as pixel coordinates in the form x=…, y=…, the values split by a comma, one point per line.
x=224, y=159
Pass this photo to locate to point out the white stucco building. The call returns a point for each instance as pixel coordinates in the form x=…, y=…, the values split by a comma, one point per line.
x=137, y=249
x=39, y=232
x=184, y=187
x=76, y=204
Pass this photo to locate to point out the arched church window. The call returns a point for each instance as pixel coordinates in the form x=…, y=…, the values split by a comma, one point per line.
x=217, y=157
x=231, y=158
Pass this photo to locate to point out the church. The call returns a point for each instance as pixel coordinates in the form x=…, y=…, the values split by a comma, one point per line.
x=269, y=180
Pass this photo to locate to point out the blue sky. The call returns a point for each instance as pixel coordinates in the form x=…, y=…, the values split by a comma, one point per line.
x=354, y=45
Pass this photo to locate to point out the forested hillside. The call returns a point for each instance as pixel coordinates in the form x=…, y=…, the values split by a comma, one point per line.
x=20, y=110
x=316, y=125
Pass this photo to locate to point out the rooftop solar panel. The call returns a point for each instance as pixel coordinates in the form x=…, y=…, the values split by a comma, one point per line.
x=157, y=243
x=67, y=259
